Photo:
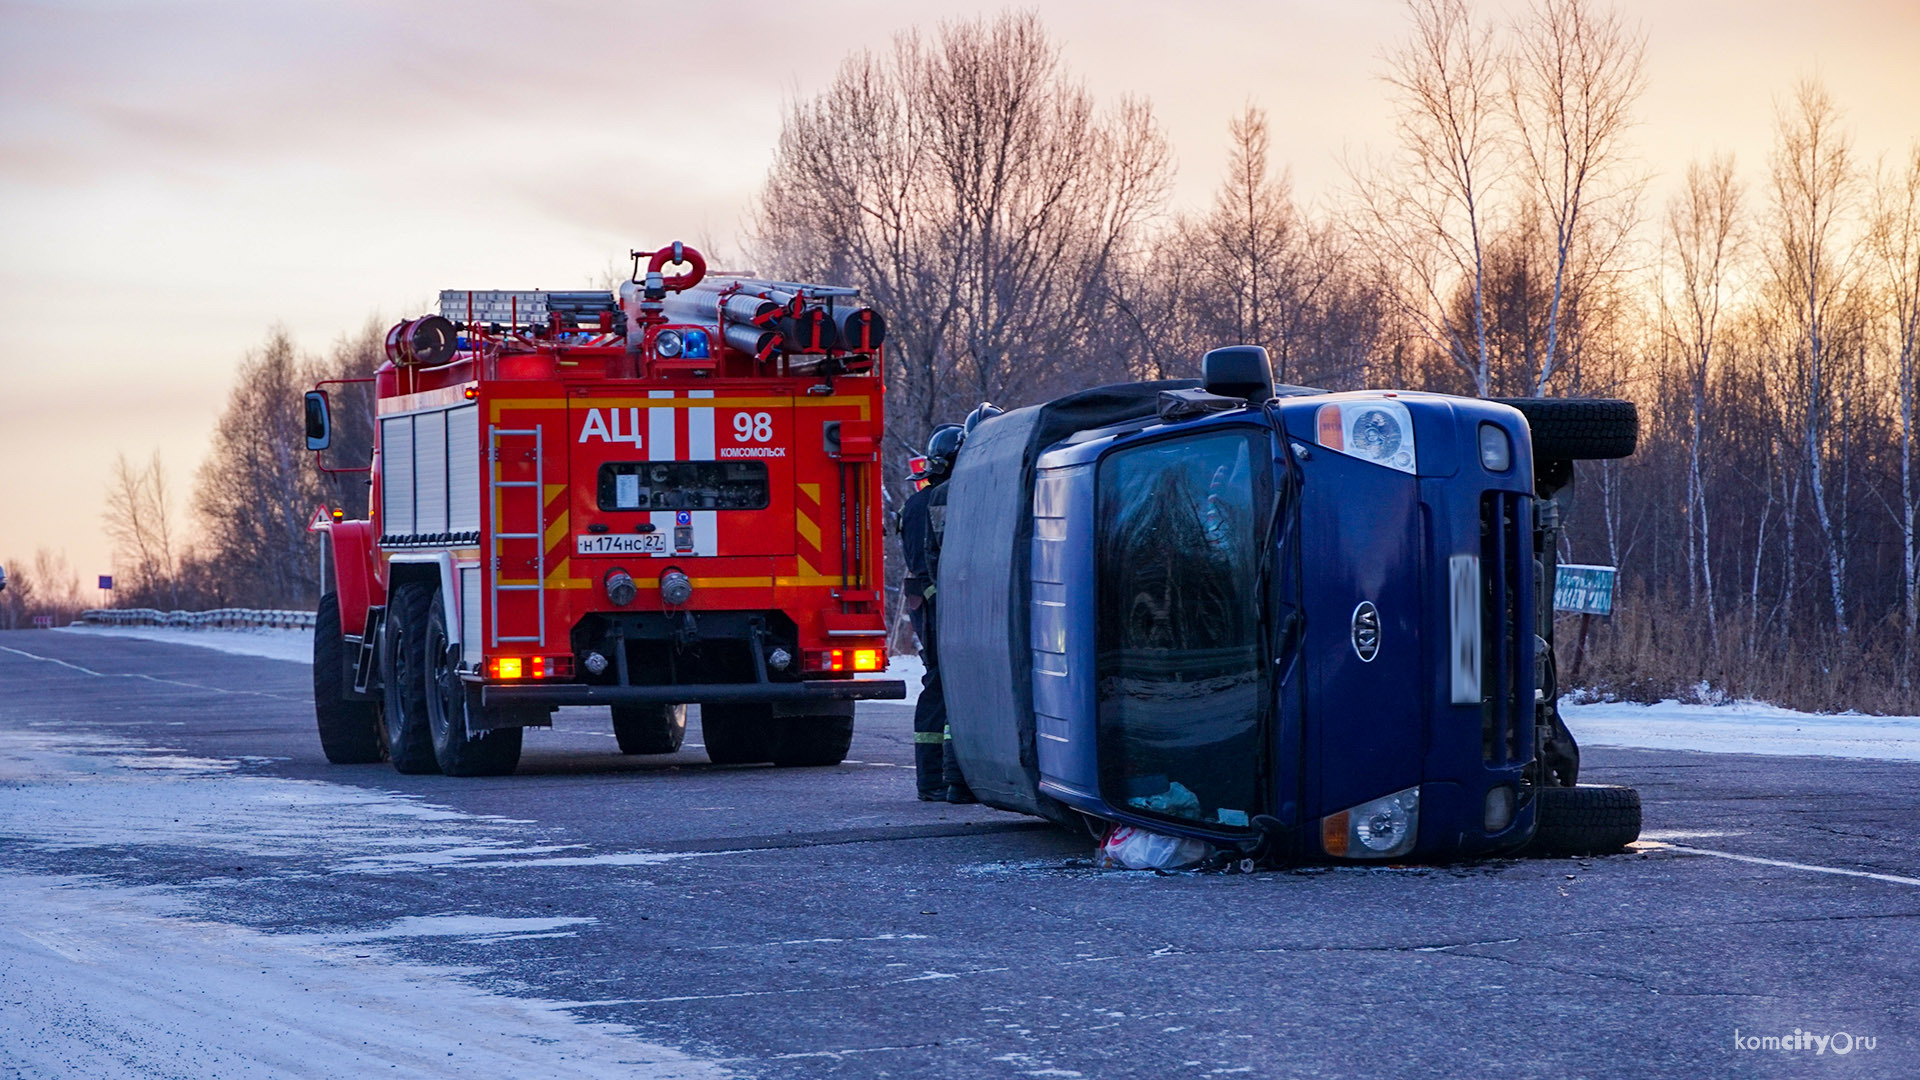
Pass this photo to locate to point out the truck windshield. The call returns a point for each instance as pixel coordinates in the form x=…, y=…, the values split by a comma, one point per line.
x=1181, y=672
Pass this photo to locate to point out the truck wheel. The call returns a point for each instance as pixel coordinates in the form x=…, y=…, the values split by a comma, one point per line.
x=1579, y=429
x=813, y=740
x=494, y=752
x=403, y=660
x=349, y=730
x=650, y=729
x=737, y=734
x=1591, y=819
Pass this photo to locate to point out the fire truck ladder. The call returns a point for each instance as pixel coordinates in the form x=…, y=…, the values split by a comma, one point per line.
x=494, y=486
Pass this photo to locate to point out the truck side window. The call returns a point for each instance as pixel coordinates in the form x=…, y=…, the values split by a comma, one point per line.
x=1180, y=688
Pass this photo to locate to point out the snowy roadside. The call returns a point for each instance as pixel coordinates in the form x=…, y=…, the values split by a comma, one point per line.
x=98, y=979
x=1743, y=728
x=295, y=645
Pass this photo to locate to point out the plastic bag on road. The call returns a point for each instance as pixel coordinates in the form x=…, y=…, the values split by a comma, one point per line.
x=1131, y=848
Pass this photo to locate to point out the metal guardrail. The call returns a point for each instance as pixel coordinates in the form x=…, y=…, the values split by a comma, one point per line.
x=217, y=619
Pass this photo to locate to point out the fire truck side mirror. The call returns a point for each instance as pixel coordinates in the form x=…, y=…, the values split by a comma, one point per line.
x=319, y=421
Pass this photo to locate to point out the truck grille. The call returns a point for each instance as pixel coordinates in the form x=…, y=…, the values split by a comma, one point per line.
x=1506, y=556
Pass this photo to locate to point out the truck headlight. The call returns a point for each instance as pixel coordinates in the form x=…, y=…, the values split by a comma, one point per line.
x=1496, y=448
x=1380, y=431
x=1379, y=829
x=667, y=344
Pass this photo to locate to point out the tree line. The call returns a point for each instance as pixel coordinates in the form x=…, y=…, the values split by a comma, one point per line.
x=1019, y=236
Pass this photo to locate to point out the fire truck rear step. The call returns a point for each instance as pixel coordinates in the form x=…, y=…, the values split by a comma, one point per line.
x=691, y=693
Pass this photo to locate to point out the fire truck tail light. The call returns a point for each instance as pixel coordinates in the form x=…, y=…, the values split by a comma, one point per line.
x=530, y=667
x=845, y=660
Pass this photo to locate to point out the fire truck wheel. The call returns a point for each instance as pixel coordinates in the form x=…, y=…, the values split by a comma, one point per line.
x=403, y=660
x=813, y=740
x=1592, y=819
x=737, y=734
x=460, y=752
x=349, y=730
x=650, y=729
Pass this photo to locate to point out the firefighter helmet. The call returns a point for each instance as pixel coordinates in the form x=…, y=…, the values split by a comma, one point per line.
x=986, y=410
x=942, y=447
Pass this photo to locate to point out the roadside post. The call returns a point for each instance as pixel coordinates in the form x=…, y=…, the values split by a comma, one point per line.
x=1587, y=590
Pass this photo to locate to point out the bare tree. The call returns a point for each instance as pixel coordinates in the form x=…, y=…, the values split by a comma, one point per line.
x=979, y=197
x=1246, y=244
x=1895, y=240
x=1426, y=218
x=256, y=488
x=1701, y=239
x=139, y=519
x=1813, y=182
x=1573, y=77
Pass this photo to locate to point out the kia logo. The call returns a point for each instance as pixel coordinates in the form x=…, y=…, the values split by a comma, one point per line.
x=1366, y=631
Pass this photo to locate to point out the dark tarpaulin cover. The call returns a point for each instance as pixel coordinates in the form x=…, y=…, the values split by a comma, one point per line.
x=985, y=658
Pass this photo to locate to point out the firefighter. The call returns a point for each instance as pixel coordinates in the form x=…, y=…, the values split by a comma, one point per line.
x=918, y=544
x=956, y=783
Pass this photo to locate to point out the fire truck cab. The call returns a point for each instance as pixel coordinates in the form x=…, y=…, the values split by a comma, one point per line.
x=662, y=495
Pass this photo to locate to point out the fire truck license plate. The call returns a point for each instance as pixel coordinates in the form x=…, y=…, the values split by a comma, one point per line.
x=652, y=543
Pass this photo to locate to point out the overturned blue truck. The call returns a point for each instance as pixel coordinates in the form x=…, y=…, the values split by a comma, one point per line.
x=1297, y=625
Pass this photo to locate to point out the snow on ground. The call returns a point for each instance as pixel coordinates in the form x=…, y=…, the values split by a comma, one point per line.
x=110, y=981
x=1744, y=728
x=273, y=644
x=105, y=980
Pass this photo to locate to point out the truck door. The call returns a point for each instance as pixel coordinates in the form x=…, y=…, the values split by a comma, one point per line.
x=682, y=473
x=1183, y=683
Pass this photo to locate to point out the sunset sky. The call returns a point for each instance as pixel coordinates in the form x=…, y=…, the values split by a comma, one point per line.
x=177, y=178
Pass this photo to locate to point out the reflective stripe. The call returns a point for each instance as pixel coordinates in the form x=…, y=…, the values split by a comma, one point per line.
x=924, y=737
x=947, y=735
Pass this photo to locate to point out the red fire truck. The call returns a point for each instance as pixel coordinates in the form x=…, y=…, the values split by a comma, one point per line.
x=660, y=495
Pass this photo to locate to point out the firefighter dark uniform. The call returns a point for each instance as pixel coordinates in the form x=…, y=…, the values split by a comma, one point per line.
x=930, y=713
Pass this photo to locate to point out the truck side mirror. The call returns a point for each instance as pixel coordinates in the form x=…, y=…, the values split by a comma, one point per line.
x=319, y=421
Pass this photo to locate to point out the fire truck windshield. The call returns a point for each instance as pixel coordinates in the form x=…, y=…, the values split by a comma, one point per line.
x=683, y=485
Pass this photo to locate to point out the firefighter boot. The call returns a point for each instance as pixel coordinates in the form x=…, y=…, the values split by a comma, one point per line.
x=957, y=789
x=929, y=721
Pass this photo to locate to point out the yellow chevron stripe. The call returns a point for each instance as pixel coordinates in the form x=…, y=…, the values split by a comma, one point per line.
x=556, y=531
x=808, y=530
x=812, y=491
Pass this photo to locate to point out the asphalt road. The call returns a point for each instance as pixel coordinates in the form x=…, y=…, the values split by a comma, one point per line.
x=822, y=923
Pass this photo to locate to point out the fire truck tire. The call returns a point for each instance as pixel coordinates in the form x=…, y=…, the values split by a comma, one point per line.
x=737, y=734
x=1591, y=819
x=494, y=751
x=813, y=740
x=1579, y=429
x=349, y=730
x=650, y=729
x=403, y=659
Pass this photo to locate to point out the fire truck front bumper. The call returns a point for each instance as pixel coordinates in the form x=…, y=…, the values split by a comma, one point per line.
x=794, y=693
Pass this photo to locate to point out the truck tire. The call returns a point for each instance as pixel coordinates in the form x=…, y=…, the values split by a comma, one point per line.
x=1579, y=429
x=1591, y=819
x=807, y=741
x=737, y=734
x=349, y=730
x=403, y=659
x=650, y=729
x=459, y=752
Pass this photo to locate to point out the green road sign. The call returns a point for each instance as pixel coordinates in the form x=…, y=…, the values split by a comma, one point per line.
x=1587, y=590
